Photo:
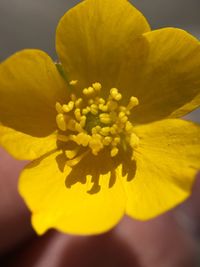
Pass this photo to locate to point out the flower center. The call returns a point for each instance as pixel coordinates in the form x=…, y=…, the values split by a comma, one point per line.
x=94, y=123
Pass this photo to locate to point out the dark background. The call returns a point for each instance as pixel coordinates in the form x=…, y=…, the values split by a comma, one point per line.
x=32, y=23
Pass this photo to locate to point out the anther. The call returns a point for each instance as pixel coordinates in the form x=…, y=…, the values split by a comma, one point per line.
x=60, y=119
x=103, y=107
x=70, y=154
x=78, y=102
x=114, y=152
x=107, y=140
x=105, y=118
x=105, y=131
x=73, y=97
x=97, y=86
x=78, y=127
x=83, y=139
x=96, y=122
x=115, y=94
x=96, y=144
x=94, y=109
x=133, y=102
x=73, y=82
x=68, y=107
x=77, y=113
x=83, y=121
x=59, y=107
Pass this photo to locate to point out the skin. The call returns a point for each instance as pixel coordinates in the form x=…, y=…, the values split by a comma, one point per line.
x=167, y=241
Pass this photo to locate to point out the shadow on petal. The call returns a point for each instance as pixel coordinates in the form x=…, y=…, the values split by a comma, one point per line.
x=91, y=168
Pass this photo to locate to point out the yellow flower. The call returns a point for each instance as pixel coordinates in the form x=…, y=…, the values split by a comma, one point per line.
x=103, y=126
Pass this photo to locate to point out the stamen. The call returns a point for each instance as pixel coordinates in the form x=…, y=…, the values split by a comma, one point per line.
x=96, y=143
x=105, y=118
x=133, y=102
x=104, y=131
x=114, y=152
x=73, y=82
x=68, y=107
x=70, y=154
x=115, y=94
x=107, y=140
x=77, y=113
x=96, y=86
x=96, y=123
x=60, y=119
x=78, y=103
x=59, y=107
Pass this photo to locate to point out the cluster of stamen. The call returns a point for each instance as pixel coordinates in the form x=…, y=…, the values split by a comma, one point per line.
x=92, y=122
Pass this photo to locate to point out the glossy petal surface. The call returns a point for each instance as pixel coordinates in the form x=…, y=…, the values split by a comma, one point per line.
x=163, y=72
x=30, y=85
x=26, y=147
x=84, y=200
x=167, y=160
x=92, y=39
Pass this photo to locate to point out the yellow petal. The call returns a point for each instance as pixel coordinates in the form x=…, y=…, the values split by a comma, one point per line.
x=84, y=200
x=25, y=147
x=92, y=39
x=167, y=161
x=30, y=85
x=165, y=76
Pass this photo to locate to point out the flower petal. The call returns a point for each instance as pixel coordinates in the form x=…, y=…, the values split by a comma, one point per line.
x=25, y=147
x=167, y=159
x=30, y=85
x=92, y=38
x=165, y=76
x=79, y=200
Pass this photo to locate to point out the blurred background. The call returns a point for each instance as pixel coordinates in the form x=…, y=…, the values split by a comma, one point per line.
x=32, y=24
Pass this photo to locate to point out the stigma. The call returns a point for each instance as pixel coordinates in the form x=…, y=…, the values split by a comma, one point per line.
x=94, y=123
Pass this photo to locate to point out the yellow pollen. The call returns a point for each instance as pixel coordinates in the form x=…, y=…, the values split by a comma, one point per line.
x=97, y=86
x=115, y=94
x=77, y=113
x=78, y=102
x=103, y=107
x=68, y=107
x=70, y=154
x=96, y=143
x=104, y=131
x=105, y=118
x=114, y=152
x=94, y=123
x=73, y=97
x=107, y=140
x=71, y=124
x=88, y=91
x=73, y=82
x=94, y=109
x=60, y=119
x=59, y=108
x=132, y=103
x=83, y=121
x=78, y=127
x=101, y=101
